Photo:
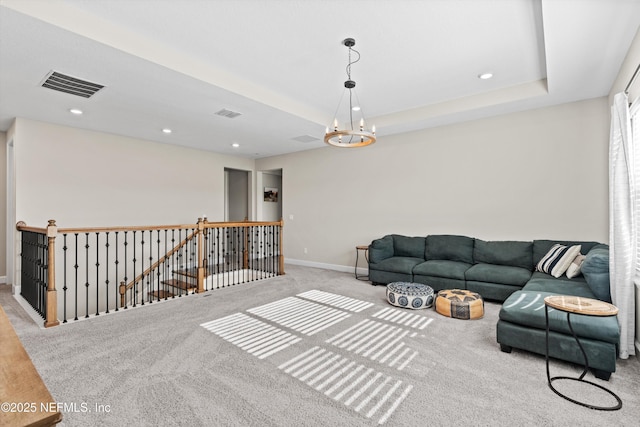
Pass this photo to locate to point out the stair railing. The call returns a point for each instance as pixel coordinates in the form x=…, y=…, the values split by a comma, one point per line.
x=87, y=272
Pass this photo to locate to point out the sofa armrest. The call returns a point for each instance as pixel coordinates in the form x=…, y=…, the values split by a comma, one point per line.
x=595, y=269
x=380, y=249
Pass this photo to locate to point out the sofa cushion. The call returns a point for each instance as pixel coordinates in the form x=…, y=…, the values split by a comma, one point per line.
x=558, y=259
x=442, y=268
x=527, y=308
x=408, y=246
x=542, y=282
x=511, y=253
x=449, y=247
x=595, y=270
x=396, y=264
x=575, y=268
x=503, y=274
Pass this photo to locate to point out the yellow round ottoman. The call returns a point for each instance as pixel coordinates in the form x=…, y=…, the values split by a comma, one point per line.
x=460, y=304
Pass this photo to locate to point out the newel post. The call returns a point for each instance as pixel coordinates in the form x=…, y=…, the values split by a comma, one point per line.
x=201, y=260
x=52, y=297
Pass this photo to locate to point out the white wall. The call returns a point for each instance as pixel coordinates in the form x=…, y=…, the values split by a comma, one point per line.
x=83, y=178
x=530, y=175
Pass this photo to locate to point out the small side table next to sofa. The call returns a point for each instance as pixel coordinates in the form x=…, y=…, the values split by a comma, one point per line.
x=584, y=307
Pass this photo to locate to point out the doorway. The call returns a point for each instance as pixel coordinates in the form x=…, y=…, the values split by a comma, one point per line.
x=269, y=195
x=236, y=194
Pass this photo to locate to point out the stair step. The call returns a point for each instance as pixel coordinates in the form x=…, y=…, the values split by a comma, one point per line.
x=193, y=271
x=180, y=284
x=161, y=294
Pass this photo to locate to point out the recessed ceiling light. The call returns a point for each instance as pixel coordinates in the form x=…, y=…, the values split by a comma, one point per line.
x=235, y=145
x=75, y=111
x=485, y=76
x=166, y=130
x=356, y=108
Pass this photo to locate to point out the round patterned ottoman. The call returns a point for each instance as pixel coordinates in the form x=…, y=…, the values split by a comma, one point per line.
x=409, y=295
x=459, y=304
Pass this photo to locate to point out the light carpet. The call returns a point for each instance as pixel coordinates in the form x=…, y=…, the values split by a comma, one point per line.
x=311, y=348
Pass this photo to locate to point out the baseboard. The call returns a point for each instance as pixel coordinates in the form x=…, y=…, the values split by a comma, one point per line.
x=334, y=267
x=37, y=319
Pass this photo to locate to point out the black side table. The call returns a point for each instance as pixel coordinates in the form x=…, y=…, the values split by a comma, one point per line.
x=364, y=248
x=585, y=307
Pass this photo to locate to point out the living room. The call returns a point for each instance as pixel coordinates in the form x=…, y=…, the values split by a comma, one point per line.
x=538, y=172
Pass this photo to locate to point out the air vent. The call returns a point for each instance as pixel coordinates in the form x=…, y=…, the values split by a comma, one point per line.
x=228, y=113
x=305, y=138
x=67, y=84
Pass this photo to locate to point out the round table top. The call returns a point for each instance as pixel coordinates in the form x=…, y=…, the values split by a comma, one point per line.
x=580, y=305
x=362, y=247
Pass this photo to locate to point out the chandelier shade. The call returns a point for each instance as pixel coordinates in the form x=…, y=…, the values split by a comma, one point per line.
x=352, y=135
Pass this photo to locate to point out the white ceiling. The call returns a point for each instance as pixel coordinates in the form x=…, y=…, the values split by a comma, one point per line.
x=282, y=65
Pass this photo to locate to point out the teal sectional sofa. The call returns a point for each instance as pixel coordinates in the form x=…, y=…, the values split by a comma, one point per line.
x=505, y=271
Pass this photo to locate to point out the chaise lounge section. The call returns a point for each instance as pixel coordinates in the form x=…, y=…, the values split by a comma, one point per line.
x=508, y=272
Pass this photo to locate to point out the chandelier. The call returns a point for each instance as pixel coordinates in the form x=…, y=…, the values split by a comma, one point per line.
x=352, y=136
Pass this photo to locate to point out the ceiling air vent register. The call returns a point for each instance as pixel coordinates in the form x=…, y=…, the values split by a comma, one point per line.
x=228, y=113
x=71, y=85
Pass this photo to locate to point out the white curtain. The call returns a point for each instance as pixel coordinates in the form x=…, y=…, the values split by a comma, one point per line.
x=622, y=219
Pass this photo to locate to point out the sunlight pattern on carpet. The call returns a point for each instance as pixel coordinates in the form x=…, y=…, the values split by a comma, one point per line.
x=356, y=386
x=378, y=342
x=403, y=317
x=252, y=335
x=302, y=316
x=335, y=300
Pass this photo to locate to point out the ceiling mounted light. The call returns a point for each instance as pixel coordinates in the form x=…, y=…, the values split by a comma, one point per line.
x=485, y=76
x=352, y=136
x=166, y=130
x=76, y=111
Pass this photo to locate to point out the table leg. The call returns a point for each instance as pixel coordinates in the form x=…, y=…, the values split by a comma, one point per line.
x=581, y=377
x=364, y=277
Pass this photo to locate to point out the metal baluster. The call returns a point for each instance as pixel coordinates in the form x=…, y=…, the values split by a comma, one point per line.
x=116, y=263
x=86, y=274
x=135, y=283
x=97, y=274
x=142, y=268
x=217, y=249
x=126, y=244
x=76, y=268
x=159, y=265
x=64, y=280
x=106, y=282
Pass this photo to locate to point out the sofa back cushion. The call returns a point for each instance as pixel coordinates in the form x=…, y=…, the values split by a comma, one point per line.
x=595, y=269
x=449, y=247
x=381, y=249
x=511, y=253
x=542, y=247
x=408, y=246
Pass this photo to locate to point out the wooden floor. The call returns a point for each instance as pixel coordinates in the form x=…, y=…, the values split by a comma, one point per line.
x=25, y=399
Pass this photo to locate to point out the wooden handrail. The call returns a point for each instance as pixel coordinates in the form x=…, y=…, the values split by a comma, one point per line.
x=22, y=226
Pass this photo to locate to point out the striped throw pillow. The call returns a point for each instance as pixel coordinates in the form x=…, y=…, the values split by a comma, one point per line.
x=558, y=259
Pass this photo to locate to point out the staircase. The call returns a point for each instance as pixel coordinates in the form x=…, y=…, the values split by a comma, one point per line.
x=184, y=280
